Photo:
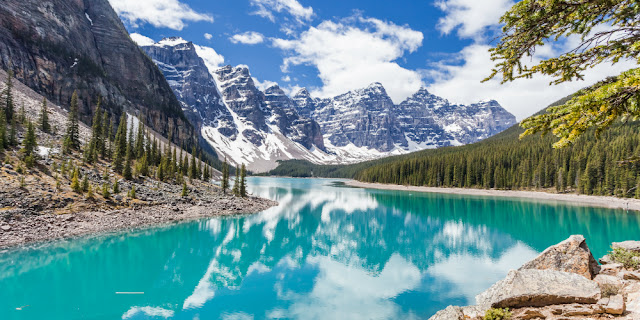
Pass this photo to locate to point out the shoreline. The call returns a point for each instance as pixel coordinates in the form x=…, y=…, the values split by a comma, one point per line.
x=583, y=200
x=27, y=230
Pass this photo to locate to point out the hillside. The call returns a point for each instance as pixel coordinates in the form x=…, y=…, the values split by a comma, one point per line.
x=592, y=165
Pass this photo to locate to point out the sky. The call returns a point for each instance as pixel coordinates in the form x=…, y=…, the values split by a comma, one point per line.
x=331, y=47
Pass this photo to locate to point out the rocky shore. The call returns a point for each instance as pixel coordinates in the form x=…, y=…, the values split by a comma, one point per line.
x=563, y=282
x=21, y=229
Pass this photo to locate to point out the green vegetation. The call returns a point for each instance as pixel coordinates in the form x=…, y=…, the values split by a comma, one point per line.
x=497, y=314
x=626, y=257
x=609, y=32
x=71, y=140
x=225, y=176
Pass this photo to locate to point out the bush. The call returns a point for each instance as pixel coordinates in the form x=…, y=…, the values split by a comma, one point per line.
x=609, y=290
x=497, y=314
x=625, y=257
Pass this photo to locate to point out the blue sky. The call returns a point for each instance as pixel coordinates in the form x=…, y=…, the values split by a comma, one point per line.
x=332, y=47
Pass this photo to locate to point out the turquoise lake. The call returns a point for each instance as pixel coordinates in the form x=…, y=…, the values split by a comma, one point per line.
x=326, y=252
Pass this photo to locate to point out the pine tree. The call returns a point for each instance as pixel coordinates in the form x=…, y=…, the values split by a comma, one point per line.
x=184, y=190
x=75, y=181
x=90, y=192
x=116, y=186
x=236, y=185
x=105, y=135
x=126, y=172
x=193, y=172
x=72, y=135
x=120, y=144
x=91, y=153
x=8, y=98
x=45, y=126
x=85, y=183
x=13, y=133
x=132, y=193
x=243, y=182
x=29, y=145
x=185, y=168
x=4, y=139
x=105, y=191
x=205, y=173
x=225, y=176
x=139, y=150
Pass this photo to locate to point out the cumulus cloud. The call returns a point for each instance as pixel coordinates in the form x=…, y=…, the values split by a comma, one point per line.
x=141, y=40
x=212, y=59
x=266, y=9
x=459, y=80
x=471, y=18
x=171, y=14
x=353, y=53
x=249, y=37
x=263, y=85
x=208, y=36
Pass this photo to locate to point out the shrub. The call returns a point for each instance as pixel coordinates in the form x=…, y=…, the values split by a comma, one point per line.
x=609, y=290
x=497, y=314
x=625, y=257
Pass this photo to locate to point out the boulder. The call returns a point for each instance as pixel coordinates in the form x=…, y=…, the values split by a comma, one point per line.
x=611, y=269
x=606, y=259
x=450, y=313
x=539, y=288
x=631, y=275
x=616, y=305
x=606, y=280
x=627, y=245
x=571, y=255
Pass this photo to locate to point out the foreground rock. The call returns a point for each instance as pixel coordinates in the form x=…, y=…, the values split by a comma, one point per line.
x=572, y=255
x=557, y=285
x=538, y=288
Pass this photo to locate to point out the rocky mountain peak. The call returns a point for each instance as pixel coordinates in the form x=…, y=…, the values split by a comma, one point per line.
x=302, y=94
x=274, y=90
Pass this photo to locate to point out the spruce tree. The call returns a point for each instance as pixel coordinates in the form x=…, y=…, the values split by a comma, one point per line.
x=75, y=181
x=4, y=139
x=45, y=126
x=29, y=145
x=91, y=152
x=120, y=145
x=236, y=185
x=13, y=133
x=85, y=184
x=193, y=170
x=243, y=182
x=184, y=190
x=72, y=135
x=139, y=150
x=225, y=176
x=9, y=110
x=105, y=135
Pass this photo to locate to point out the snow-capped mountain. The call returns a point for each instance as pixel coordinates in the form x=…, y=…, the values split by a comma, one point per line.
x=368, y=118
x=247, y=125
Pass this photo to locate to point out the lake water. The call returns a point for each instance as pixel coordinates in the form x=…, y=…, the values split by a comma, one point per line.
x=326, y=252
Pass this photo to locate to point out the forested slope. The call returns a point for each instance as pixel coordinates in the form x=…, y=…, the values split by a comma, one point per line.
x=592, y=165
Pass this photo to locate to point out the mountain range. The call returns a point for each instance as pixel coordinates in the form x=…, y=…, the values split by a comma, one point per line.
x=260, y=128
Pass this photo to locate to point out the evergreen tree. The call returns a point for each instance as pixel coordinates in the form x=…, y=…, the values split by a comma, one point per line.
x=22, y=115
x=85, y=184
x=116, y=186
x=105, y=191
x=243, y=182
x=139, y=149
x=45, y=126
x=120, y=145
x=4, y=139
x=236, y=185
x=91, y=152
x=105, y=135
x=72, y=135
x=185, y=168
x=9, y=110
x=13, y=133
x=29, y=145
x=90, y=192
x=193, y=170
x=184, y=190
x=132, y=193
x=75, y=181
x=225, y=176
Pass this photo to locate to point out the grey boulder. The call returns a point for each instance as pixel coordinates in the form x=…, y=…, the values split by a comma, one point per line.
x=539, y=288
x=571, y=255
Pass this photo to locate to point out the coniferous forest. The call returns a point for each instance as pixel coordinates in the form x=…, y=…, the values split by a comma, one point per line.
x=607, y=164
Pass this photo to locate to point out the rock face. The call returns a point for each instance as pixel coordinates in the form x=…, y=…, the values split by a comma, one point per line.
x=572, y=255
x=450, y=313
x=58, y=46
x=538, y=288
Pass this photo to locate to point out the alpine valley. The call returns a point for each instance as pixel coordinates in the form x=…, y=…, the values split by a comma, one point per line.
x=259, y=128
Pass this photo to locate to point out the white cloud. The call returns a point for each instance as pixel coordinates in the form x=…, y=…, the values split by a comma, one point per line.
x=141, y=40
x=249, y=37
x=461, y=83
x=266, y=8
x=286, y=79
x=263, y=85
x=211, y=58
x=471, y=17
x=160, y=13
x=354, y=53
x=208, y=36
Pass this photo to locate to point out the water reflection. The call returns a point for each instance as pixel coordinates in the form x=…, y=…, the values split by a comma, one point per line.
x=324, y=253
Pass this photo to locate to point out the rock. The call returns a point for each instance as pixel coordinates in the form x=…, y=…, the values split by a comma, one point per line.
x=5, y=227
x=611, y=269
x=473, y=312
x=572, y=310
x=606, y=280
x=631, y=275
x=627, y=245
x=527, y=313
x=605, y=260
x=450, y=313
x=571, y=255
x=616, y=305
x=538, y=288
